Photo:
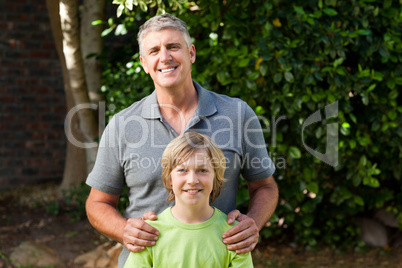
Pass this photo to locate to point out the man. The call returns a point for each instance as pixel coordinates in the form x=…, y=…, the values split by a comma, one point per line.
x=131, y=147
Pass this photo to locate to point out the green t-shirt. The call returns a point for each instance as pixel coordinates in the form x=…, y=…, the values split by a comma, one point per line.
x=189, y=245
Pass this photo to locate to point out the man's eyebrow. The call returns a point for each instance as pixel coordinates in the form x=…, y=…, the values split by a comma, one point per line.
x=173, y=44
x=153, y=48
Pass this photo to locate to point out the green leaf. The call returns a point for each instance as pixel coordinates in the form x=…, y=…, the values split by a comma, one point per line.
x=120, y=10
x=306, y=98
x=358, y=200
x=357, y=180
x=244, y=62
x=277, y=78
x=340, y=71
x=393, y=94
x=374, y=182
x=387, y=4
x=289, y=77
x=375, y=126
x=398, y=81
x=222, y=77
x=392, y=115
x=308, y=220
x=121, y=29
x=353, y=118
x=259, y=110
x=365, y=99
x=312, y=187
x=129, y=4
x=363, y=161
x=294, y=152
x=338, y=62
x=345, y=128
x=371, y=88
x=330, y=11
x=107, y=31
x=143, y=6
x=97, y=22
x=363, y=32
x=352, y=144
x=299, y=10
x=364, y=141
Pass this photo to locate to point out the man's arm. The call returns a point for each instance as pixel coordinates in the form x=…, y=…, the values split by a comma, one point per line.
x=263, y=200
x=243, y=237
x=134, y=233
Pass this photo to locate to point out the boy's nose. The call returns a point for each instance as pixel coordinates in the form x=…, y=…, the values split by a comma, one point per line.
x=192, y=178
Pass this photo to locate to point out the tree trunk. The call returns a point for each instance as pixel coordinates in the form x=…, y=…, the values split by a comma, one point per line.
x=75, y=170
x=84, y=127
x=72, y=53
x=92, y=45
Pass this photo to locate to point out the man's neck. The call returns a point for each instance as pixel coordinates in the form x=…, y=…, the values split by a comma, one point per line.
x=177, y=106
x=192, y=214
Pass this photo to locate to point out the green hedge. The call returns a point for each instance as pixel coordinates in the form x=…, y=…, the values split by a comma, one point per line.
x=289, y=59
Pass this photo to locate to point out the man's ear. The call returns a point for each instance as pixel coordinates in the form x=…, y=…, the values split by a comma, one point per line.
x=144, y=64
x=192, y=54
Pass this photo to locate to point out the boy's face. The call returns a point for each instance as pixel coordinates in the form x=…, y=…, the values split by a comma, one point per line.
x=192, y=181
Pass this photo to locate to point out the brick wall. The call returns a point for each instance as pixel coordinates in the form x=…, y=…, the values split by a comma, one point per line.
x=32, y=100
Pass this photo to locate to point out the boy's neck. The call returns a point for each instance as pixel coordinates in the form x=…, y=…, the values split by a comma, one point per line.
x=192, y=215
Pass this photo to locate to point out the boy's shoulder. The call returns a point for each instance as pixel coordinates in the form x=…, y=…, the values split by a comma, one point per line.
x=163, y=218
x=222, y=218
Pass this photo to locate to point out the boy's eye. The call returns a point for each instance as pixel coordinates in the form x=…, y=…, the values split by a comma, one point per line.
x=203, y=170
x=182, y=170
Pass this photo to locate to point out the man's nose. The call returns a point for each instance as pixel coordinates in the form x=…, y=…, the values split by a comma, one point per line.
x=165, y=55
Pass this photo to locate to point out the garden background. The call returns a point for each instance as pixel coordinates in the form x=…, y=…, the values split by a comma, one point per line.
x=323, y=76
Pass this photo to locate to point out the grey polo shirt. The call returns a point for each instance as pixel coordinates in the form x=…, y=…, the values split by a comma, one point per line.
x=132, y=144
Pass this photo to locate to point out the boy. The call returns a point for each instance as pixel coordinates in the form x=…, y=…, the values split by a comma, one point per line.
x=190, y=231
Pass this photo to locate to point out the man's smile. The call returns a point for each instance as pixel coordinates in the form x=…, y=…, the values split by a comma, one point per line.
x=167, y=70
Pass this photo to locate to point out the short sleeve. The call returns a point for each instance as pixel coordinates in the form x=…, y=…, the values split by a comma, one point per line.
x=141, y=259
x=242, y=261
x=107, y=175
x=256, y=163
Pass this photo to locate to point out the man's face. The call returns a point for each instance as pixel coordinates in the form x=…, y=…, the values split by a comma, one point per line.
x=167, y=58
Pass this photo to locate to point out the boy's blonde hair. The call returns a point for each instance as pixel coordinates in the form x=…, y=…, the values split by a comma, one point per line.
x=182, y=148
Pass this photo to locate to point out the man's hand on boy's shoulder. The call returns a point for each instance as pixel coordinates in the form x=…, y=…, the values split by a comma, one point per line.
x=243, y=237
x=138, y=234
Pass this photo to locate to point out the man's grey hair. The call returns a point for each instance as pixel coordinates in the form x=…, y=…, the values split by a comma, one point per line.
x=162, y=22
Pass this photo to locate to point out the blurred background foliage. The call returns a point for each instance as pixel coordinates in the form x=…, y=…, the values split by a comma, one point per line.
x=289, y=59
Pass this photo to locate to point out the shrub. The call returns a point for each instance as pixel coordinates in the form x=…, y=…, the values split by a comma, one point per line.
x=289, y=59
